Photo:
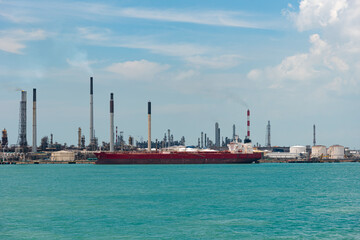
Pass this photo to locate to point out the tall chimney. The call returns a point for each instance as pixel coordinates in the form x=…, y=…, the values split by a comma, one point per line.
x=217, y=135
x=149, y=126
x=233, y=138
x=168, y=137
x=34, y=147
x=268, y=135
x=91, y=112
x=248, y=123
x=314, y=140
x=205, y=141
x=79, y=138
x=111, y=122
x=22, y=124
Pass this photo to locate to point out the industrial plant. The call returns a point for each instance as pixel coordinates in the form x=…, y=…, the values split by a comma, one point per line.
x=53, y=152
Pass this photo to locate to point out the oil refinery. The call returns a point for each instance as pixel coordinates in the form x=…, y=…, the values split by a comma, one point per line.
x=49, y=151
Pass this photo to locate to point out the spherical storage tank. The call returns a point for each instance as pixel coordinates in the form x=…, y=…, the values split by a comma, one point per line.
x=298, y=149
x=318, y=151
x=336, y=152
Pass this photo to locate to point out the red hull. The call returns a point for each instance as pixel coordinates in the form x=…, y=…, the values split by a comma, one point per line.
x=175, y=158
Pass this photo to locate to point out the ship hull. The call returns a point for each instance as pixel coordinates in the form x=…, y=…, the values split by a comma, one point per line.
x=176, y=158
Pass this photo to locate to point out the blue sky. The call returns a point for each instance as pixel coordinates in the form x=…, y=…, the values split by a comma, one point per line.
x=295, y=63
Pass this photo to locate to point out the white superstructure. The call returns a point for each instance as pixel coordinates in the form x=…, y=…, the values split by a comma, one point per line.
x=237, y=147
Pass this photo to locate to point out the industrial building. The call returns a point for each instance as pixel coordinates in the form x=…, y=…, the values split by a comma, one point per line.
x=62, y=156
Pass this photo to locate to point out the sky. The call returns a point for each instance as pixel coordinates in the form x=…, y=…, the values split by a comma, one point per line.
x=293, y=63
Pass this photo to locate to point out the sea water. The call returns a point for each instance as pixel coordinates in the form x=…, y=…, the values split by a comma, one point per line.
x=256, y=201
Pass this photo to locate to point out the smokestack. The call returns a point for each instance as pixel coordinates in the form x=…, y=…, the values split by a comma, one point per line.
x=116, y=136
x=233, y=139
x=219, y=144
x=168, y=137
x=22, y=124
x=91, y=112
x=217, y=135
x=149, y=126
x=268, y=135
x=314, y=140
x=34, y=147
x=111, y=122
x=205, y=141
x=248, y=123
x=79, y=138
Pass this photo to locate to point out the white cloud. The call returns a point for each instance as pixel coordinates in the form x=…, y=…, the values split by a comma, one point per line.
x=105, y=37
x=254, y=74
x=298, y=67
x=321, y=62
x=336, y=63
x=94, y=34
x=13, y=40
x=184, y=75
x=17, y=17
x=332, y=60
x=10, y=45
x=176, y=49
x=103, y=11
x=80, y=60
x=338, y=84
x=137, y=70
x=219, y=62
x=216, y=18
x=339, y=19
x=319, y=13
x=318, y=45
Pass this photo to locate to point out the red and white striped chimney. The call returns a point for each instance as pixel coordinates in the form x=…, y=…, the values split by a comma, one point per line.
x=248, y=123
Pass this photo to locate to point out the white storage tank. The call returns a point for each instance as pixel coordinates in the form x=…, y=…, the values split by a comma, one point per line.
x=298, y=149
x=318, y=151
x=62, y=156
x=336, y=152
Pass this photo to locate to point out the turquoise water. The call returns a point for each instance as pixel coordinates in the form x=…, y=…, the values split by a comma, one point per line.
x=258, y=201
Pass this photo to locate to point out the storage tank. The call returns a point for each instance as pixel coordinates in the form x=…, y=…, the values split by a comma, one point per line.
x=298, y=149
x=62, y=156
x=336, y=152
x=318, y=151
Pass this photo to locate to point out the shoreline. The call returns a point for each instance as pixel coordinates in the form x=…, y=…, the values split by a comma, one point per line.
x=260, y=161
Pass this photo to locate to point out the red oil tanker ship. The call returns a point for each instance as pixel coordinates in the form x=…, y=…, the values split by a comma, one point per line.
x=238, y=153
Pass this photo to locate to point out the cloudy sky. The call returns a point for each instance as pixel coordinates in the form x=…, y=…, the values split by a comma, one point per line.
x=295, y=63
